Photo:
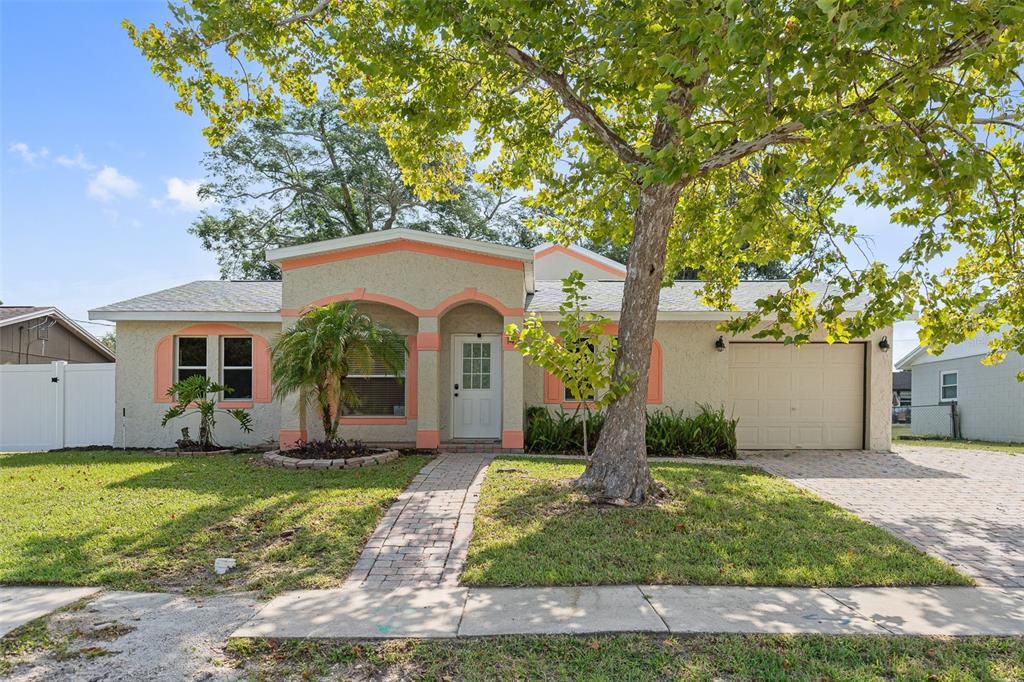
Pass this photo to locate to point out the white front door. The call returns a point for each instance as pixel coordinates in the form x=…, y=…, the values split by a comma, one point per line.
x=476, y=386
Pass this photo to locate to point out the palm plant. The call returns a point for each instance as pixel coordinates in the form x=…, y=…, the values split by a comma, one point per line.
x=198, y=395
x=316, y=355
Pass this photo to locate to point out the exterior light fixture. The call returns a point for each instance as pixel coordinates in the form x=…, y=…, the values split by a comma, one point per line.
x=884, y=344
x=720, y=344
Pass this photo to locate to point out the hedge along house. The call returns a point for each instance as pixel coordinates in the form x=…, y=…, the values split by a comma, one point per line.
x=452, y=298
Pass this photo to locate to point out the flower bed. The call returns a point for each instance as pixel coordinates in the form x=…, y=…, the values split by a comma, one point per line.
x=278, y=458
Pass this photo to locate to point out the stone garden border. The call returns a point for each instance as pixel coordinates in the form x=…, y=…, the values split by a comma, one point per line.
x=194, y=453
x=276, y=458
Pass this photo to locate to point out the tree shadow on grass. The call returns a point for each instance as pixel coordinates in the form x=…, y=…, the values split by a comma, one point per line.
x=723, y=526
x=285, y=528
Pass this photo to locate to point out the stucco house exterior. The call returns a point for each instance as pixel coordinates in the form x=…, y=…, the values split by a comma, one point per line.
x=989, y=400
x=452, y=298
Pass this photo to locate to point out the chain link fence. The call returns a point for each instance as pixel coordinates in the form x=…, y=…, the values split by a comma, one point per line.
x=936, y=421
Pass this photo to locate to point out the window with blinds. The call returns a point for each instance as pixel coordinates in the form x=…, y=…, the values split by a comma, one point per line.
x=379, y=393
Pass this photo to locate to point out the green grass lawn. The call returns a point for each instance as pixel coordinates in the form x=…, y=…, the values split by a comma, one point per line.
x=723, y=526
x=640, y=657
x=143, y=522
x=899, y=431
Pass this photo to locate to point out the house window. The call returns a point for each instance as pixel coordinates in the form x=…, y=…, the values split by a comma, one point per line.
x=588, y=392
x=191, y=356
x=236, y=367
x=378, y=393
x=948, y=387
x=476, y=365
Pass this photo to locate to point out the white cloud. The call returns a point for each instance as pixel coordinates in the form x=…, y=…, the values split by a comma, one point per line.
x=184, y=194
x=109, y=183
x=76, y=161
x=26, y=153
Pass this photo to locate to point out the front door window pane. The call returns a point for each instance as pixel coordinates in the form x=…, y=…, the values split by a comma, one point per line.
x=476, y=365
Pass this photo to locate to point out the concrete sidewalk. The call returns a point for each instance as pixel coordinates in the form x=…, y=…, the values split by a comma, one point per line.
x=21, y=605
x=444, y=612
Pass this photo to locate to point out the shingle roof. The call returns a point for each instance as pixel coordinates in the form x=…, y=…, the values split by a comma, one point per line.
x=205, y=296
x=681, y=297
x=9, y=311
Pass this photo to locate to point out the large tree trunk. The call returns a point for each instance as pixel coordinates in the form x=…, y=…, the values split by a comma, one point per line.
x=618, y=472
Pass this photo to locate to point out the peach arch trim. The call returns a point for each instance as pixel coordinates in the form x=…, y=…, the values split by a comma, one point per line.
x=401, y=245
x=558, y=248
x=163, y=373
x=468, y=295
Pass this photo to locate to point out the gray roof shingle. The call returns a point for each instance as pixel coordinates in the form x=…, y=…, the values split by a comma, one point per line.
x=205, y=296
x=681, y=297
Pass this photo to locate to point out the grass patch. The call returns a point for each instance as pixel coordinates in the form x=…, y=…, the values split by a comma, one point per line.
x=723, y=526
x=142, y=522
x=990, y=446
x=640, y=657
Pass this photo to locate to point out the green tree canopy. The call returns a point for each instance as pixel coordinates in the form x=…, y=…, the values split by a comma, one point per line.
x=680, y=128
x=309, y=176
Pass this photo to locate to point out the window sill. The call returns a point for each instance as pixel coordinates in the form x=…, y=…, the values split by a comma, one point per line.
x=235, y=404
x=371, y=420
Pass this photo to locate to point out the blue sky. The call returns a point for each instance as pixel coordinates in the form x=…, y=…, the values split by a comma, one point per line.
x=99, y=169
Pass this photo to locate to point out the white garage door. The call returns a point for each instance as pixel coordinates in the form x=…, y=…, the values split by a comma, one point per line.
x=809, y=397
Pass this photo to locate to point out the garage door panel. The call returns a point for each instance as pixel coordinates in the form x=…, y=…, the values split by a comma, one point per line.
x=808, y=408
x=776, y=354
x=809, y=380
x=776, y=382
x=745, y=354
x=745, y=408
x=806, y=397
x=776, y=409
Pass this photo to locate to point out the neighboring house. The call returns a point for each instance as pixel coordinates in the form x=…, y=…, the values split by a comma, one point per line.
x=989, y=400
x=901, y=389
x=32, y=335
x=452, y=298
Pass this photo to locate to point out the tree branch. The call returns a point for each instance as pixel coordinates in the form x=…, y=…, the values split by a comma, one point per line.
x=580, y=110
x=787, y=133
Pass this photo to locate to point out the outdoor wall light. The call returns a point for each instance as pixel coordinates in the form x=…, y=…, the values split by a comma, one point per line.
x=884, y=344
x=720, y=344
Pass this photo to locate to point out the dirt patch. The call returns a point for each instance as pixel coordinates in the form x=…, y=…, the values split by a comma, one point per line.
x=140, y=636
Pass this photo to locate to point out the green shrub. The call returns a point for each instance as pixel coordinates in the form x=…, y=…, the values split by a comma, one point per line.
x=708, y=433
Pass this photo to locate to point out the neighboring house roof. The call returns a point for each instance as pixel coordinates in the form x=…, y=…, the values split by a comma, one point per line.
x=612, y=267
x=19, y=314
x=202, y=300
x=679, y=301
x=441, y=241
x=901, y=381
x=970, y=348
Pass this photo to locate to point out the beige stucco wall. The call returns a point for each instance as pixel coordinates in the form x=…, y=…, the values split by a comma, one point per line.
x=136, y=344
x=694, y=372
x=422, y=280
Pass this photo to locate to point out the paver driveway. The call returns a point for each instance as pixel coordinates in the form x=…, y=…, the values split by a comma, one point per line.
x=964, y=506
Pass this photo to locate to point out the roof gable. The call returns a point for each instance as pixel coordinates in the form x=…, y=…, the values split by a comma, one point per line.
x=20, y=314
x=608, y=268
x=402, y=239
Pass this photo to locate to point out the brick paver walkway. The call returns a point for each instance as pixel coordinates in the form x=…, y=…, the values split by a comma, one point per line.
x=964, y=506
x=423, y=539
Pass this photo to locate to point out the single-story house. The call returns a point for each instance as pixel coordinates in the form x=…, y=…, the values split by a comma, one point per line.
x=32, y=335
x=452, y=298
x=988, y=399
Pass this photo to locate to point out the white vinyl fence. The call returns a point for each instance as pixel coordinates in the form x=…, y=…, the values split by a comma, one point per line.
x=44, y=407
